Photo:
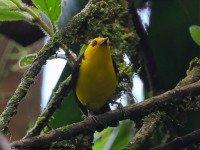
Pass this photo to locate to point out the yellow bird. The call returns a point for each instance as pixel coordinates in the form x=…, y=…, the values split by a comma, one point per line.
x=95, y=77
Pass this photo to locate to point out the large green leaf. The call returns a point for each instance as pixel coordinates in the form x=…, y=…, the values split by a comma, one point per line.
x=9, y=11
x=123, y=135
x=100, y=139
x=7, y=5
x=7, y=15
x=28, y=59
x=52, y=8
x=113, y=138
x=195, y=33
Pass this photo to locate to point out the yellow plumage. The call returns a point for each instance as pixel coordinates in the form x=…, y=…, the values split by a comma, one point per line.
x=96, y=77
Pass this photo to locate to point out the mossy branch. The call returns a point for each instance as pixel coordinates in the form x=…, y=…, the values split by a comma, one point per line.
x=55, y=102
x=78, y=29
x=27, y=80
x=170, y=99
x=192, y=76
x=65, y=35
x=193, y=73
x=181, y=142
x=151, y=122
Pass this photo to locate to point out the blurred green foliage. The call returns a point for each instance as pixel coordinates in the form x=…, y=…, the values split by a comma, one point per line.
x=173, y=48
x=195, y=33
x=170, y=40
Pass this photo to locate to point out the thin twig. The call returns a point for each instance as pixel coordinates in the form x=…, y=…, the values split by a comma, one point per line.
x=161, y=102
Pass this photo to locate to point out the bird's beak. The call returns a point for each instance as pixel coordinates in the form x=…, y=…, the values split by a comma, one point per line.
x=104, y=41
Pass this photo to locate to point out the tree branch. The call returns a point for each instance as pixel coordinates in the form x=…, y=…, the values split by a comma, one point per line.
x=189, y=139
x=181, y=142
x=151, y=122
x=75, y=30
x=54, y=103
x=27, y=80
x=173, y=98
x=193, y=73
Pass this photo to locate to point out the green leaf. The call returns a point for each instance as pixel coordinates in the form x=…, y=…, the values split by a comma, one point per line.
x=7, y=5
x=100, y=139
x=123, y=135
x=52, y=8
x=27, y=60
x=83, y=48
x=18, y=1
x=9, y=11
x=195, y=33
x=7, y=15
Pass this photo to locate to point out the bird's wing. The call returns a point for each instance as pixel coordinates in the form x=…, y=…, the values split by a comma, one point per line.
x=116, y=69
x=74, y=79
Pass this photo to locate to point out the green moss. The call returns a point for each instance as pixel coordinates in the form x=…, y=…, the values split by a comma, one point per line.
x=105, y=18
x=157, y=116
x=111, y=19
x=193, y=73
x=193, y=63
x=108, y=19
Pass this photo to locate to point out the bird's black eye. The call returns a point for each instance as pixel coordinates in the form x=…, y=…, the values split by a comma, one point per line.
x=94, y=43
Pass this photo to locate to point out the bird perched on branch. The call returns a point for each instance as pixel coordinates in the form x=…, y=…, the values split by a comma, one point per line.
x=95, y=77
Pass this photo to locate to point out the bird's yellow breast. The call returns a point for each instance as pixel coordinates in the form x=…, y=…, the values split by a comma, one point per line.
x=97, y=79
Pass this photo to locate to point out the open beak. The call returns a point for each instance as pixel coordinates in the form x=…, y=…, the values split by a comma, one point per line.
x=104, y=41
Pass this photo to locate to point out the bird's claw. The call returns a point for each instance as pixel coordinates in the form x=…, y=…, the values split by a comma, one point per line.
x=120, y=107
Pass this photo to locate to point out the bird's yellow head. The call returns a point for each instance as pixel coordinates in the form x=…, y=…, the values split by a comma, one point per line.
x=98, y=48
x=99, y=42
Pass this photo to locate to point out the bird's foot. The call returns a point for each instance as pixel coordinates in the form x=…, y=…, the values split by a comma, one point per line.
x=120, y=107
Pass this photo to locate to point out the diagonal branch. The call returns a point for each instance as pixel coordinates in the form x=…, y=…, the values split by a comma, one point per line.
x=151, y=122
x=54, y=103
x=140, y=138
x=68, y=34
x=181, y=142
x=163, y=102
x=27, y=80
